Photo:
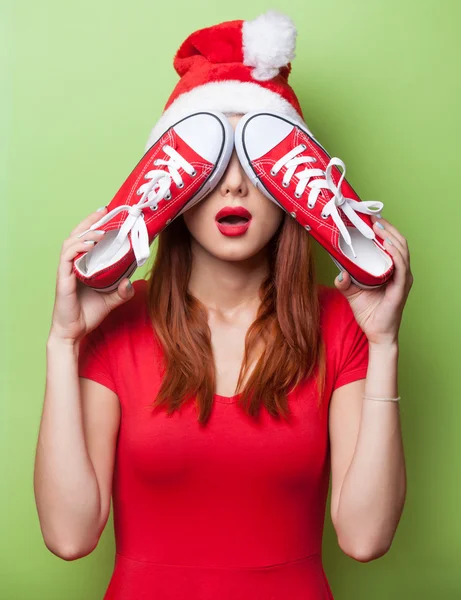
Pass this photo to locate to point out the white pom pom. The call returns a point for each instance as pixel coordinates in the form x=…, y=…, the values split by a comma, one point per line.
x=268, y=44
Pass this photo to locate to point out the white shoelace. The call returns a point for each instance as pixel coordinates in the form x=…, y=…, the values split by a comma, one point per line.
x=348, y=205
x=134, y=221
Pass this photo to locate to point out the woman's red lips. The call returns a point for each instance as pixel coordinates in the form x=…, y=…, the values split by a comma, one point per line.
x=238, y=220
x=233, y=211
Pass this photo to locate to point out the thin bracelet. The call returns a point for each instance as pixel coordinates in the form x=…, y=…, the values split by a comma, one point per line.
x=384, y=399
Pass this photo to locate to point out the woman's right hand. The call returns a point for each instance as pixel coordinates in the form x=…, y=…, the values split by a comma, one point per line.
x=78, y=309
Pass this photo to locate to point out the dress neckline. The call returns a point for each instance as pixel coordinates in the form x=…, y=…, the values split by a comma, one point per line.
x=227, y=399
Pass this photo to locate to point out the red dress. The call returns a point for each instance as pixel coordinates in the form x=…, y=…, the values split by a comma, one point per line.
x=231, y=511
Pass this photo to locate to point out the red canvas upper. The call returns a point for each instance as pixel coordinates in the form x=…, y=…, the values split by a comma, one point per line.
x=325, y=231
x=156, y=220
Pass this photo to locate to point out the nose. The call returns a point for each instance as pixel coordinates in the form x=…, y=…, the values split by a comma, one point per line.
x=233, y=181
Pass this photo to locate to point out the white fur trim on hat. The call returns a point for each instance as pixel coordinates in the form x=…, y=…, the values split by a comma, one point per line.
x=268, y=43
x=226, y=97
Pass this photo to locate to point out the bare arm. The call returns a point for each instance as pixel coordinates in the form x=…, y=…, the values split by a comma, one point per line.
x=80, y=418
x=75, y=455
x=367, y=459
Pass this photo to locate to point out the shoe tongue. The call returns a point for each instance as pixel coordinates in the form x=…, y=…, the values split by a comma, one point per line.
x=287, y=144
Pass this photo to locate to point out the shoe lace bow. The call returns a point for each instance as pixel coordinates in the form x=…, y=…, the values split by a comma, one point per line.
x=134, y=222
x=349, y=206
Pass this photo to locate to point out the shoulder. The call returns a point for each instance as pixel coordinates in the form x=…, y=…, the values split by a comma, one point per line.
x=130, y=315
x=331, y=300
x=336, y=315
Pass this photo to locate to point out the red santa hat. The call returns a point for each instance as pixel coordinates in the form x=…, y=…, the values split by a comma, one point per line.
x=234, y=67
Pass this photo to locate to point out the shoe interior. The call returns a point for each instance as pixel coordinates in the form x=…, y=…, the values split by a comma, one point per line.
x=370, y=257
x=90, y=262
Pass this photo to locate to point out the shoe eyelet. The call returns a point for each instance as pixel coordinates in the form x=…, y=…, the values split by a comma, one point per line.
x=307, y=227
x=285, y=185
x=273, y=173
x=303, y=146
x=194, y=173
x=297, y=195
x=324, y=216
x=311, y=206
x=156, y=162
x=138, y=192
x=180, y=185
x=168, y=197
x=154, y=207
x=293, y=214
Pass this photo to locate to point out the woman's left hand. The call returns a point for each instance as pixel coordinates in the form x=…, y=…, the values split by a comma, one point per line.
x=379, y=311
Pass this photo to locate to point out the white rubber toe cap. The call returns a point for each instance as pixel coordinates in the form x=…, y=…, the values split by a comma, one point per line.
x=261, y=132
x=204, y=132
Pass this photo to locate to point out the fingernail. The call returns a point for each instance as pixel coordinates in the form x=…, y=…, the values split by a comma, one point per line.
x=389, y=241
x=378, y=215
x=380, y=225
x=101, y=209
x=129, y=287
x=340, y=276
x=88, y=242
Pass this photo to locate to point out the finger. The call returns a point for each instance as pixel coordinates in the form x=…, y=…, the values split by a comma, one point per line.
x=72, y=247
x=94, y=235
x=395, y=232
x=88, y=221
x=391, y=240
x=399, y=278
x=344, y=283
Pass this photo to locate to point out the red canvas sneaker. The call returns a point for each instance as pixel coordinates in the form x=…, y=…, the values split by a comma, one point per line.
x=177, y=171
x=284, y=160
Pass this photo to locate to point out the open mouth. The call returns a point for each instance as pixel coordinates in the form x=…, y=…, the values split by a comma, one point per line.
x=233, y=220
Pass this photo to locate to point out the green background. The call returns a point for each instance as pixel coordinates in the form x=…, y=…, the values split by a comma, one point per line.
x=82, y=85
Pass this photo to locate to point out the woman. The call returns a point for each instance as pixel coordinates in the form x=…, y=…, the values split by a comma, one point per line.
x=220, y=494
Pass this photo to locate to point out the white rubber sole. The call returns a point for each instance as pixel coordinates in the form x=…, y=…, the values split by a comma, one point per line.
x=357, y=283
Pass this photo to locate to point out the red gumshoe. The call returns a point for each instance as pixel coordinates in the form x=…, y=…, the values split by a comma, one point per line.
x=284, y=160
x=175, y=173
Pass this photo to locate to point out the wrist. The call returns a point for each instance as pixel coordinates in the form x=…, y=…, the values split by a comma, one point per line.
x=389, y=346
x=56, y=341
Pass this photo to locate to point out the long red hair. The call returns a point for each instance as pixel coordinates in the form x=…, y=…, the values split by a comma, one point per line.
x=288, y=323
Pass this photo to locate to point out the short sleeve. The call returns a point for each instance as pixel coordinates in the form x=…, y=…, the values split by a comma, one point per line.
x=353, y=350
x=93, y=359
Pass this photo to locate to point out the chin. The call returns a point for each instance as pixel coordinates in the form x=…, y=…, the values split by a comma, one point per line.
x=233, y=250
